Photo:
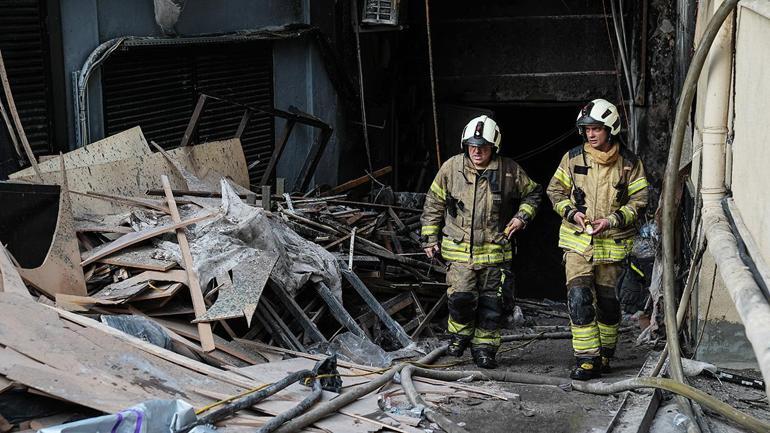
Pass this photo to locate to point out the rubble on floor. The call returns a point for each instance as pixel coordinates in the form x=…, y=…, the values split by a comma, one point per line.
x=157, y=288
x=212, y=285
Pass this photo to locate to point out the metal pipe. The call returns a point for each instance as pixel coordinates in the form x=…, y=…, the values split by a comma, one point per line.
x=300, y=408
x=714, y=133
x=603, y=388
x=95, y=59
x=670, y=184
x=104, y=50
x=415, y=399
x=248, y=400
x=352, y=395
x=750, y=303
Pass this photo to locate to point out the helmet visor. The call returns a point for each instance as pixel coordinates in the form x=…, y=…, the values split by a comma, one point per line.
x=476, y=141
x=588, y=120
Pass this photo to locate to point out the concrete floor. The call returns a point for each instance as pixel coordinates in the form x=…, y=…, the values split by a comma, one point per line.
x=543, y=408
x=550, y=409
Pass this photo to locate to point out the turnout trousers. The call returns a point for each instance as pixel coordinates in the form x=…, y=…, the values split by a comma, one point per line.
x=594, y=309
x=475, y=302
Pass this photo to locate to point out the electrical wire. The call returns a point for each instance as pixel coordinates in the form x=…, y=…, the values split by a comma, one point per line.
x=615, y=64
x=534, y=152
x=706, y=315
x=622, y=48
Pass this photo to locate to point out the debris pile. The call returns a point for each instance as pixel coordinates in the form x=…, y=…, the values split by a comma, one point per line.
x=174, y=272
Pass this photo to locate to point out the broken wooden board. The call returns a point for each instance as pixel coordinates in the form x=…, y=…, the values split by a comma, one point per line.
x=240, y=297
x=136, y=237
x=231, y=348
x=161, y=292
x=104, y=372
x=133, y=176
x=193, y=279
x=59, y=272
x=129, y=287
x=79, y=303
x=139, y=257
x=88, y=227
x=10, y=280
x=123, y=145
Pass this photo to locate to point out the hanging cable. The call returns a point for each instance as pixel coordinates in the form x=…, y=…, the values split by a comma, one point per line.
x=626, y=73
x=432, y=83
x=365, y=126
x=534, y=152
x=622, y=101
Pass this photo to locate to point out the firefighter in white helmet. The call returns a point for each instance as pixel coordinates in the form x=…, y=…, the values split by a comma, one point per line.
x=599, y=190
x=477, y=201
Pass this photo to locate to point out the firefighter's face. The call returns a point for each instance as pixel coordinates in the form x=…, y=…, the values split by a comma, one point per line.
x=480, y=155
x=597, y=136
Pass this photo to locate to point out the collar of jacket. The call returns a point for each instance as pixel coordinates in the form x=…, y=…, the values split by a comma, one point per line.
x=603, y=158
x=469, y=171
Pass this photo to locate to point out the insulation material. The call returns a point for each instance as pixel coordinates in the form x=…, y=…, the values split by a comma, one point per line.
x=230, y=240
x=299, y=260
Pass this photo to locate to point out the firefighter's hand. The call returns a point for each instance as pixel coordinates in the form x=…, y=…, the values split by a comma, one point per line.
x=600, y=225
x=431, y=251
x=514, y=225
x=580, y=219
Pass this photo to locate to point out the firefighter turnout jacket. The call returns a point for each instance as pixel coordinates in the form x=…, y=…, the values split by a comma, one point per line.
x=616, y=190
x=470, y=208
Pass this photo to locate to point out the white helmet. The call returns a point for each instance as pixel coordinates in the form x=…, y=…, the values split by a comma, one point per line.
x=599, y=112
x=481, y=131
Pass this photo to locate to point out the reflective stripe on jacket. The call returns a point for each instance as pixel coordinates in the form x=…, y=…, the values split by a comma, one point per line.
x=469, y=209
x=617, y=191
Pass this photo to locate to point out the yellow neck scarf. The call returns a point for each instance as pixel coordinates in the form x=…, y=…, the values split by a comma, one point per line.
x=603, y=158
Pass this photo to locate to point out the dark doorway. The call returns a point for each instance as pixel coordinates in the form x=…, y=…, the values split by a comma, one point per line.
x=537, y=136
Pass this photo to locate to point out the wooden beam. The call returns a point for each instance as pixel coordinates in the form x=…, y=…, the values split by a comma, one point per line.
x=310, y=329
x=277, y=152
x=311, y=162
x=242, y=126
x=275, y=331
x=392, y=306
x=199, y=305
x=193, y=123
x=426, y=321
x=376, y=307
x=338, y=311
x=347, y=186
x=17, y=120
x=420, y=312
x=282, y=326
x=266, y=205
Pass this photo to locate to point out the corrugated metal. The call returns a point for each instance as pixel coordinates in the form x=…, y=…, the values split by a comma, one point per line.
x=24, y=44
x=157, y=88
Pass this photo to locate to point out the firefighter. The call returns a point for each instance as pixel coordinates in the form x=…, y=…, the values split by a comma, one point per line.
x=599, y=190
x=476, y=203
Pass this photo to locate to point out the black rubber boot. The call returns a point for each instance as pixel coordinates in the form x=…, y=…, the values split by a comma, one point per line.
x=587, y=369
x=457, y=346
x=484, y=357
x=607, y=355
